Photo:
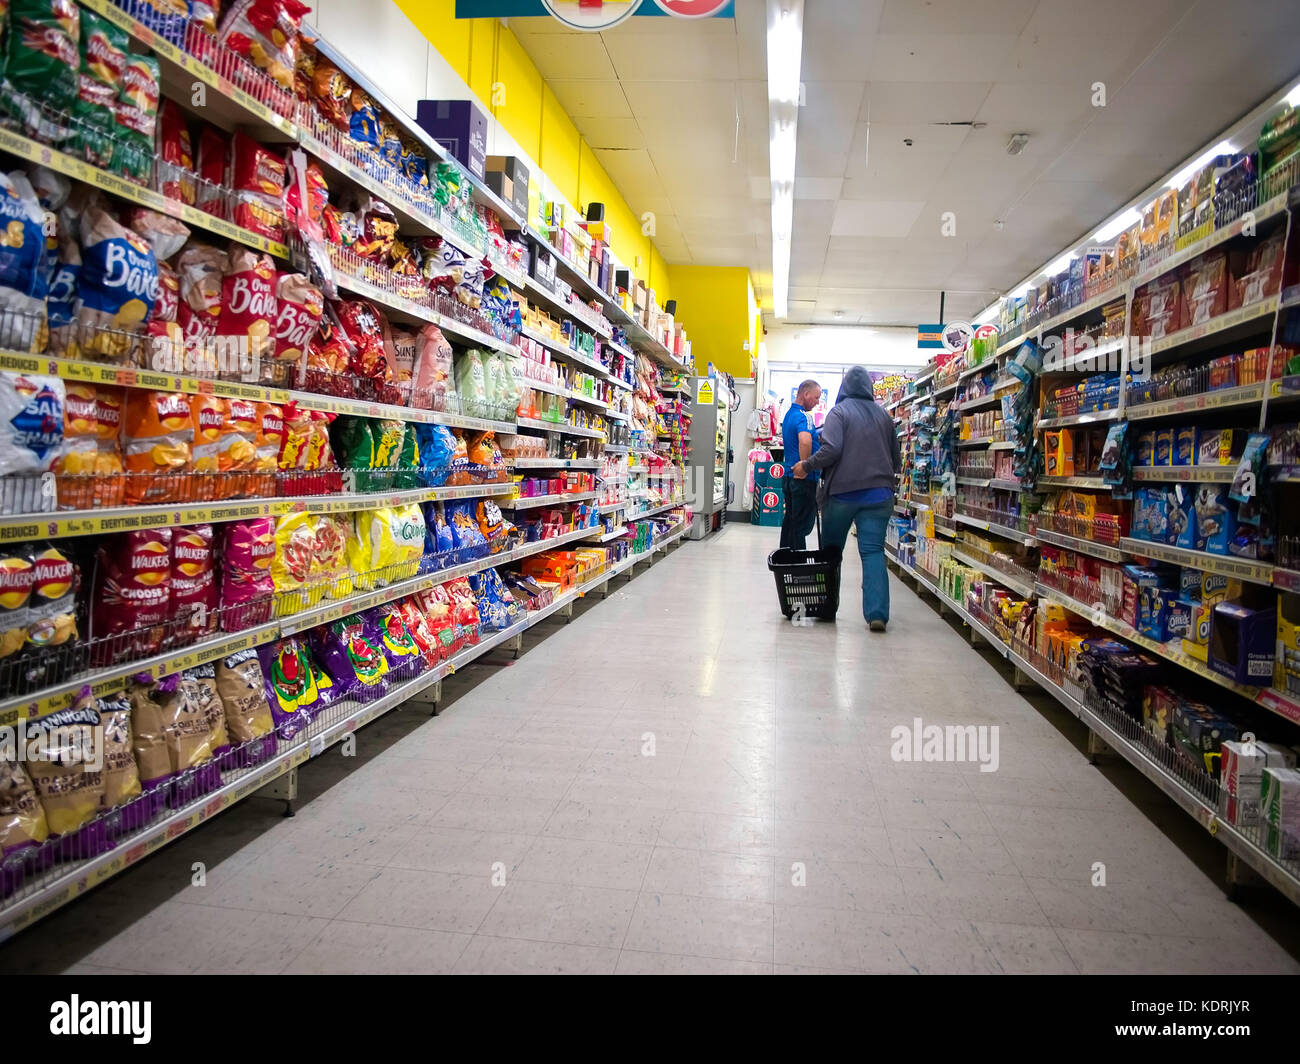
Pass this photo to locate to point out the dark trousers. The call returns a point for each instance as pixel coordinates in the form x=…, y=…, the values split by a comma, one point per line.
x=800, y=512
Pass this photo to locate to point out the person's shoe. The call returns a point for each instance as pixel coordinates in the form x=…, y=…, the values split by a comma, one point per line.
x=876, y=626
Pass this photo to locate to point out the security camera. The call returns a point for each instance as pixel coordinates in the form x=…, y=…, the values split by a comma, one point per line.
x=907, y=141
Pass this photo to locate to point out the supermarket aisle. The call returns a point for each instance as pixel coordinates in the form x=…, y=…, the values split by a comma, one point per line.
x=527, y=829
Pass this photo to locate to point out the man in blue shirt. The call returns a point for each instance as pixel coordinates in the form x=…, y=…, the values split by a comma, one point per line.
x=800, y=437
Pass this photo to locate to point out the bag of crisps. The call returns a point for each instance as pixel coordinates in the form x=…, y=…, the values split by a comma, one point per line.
x=131, y=600
x=247, y=587
x=194, y=596
x=110, y=484
x=175, y=154
x=238, y=455
x=265, y=32
x=201, y=269
x=118, y=287
x=137, y=117
x=75, y=466
x=158, y=444
x=291, y=688
x=211, y=417
x=270, y=441
x=299, y=306
x=329, y=568
x=291, y=568
x=248, y=311
x=67, y=769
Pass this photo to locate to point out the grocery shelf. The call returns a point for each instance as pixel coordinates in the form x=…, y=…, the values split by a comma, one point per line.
x=1267, y=697
x=1078, y=311
x=1078, y=419
x=614, y=533
x=1245, y=395
x=944, y=389
x=995, y=528
x=65, y=524
x=979, y=403
x=1241, y=568
x=1083, y=546
x=529, y=502
x=654, y=510
x=1002, y=445
x=975, y=441
x=574, y=275
x=1205, y=474
x=613, y=507
x=1239, y=322
x=1092, y=483
x=559, y=389
x=555, y=463
x=227, y=105
x=552, y=300
x=1005, y=485
x=1025, y=587
x=973, y=482
x=35, y=152
x=567, y=353
x=617, y=448
x=558, y=426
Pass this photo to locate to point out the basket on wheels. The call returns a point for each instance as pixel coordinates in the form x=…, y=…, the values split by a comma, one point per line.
x=807, y=579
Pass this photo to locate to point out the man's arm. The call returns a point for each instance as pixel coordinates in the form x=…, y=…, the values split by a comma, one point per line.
x=805, y=446
x=829, y=451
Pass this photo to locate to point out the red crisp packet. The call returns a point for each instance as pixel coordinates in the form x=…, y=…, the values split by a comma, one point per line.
x=248, y=305
x=257, y=177
x=169, y=294
x=212, y=171
x=176, y=154
x=299, y=312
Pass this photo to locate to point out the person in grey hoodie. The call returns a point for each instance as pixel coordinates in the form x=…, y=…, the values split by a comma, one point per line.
x=859, y=458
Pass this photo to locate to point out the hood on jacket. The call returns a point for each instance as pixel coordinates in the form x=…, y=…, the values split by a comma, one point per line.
x=856, y=384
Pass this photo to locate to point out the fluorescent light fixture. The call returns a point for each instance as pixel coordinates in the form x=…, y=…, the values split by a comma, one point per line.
x=1018, y=292
x=987, y=314
x=1179, y=179
x=784, y=57
x=784, y=50
x=1117, y=225
x=1293, y=97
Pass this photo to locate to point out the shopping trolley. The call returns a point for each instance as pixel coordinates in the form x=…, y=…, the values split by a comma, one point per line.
x=808, y=581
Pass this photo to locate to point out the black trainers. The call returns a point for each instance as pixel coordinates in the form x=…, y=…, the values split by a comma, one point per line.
x=876, y=626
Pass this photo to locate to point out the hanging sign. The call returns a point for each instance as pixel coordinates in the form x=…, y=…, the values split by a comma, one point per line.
x=594, y=15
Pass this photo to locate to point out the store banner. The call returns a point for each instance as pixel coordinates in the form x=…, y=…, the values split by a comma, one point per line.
x=594, y=14
x=929, y=336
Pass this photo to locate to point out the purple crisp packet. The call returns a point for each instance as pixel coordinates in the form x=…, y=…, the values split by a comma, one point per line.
x=349, y=652
x=290, y=685
x=394, y=639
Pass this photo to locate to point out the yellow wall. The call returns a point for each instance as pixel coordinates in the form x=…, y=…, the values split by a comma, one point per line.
x=714, y=304
x=485, y=53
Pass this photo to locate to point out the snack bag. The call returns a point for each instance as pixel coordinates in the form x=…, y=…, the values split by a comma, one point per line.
x=137, y=117
x=201, y=682
x=23, y=326
x=167, y=305
x=318, y=453
x=248, y=548
x=248, y=308
x=31, y=422
x=242, y=688
x=212, y=151
x=149, y=736
x=131, y=603
x=405, y=344
x=270, y=441
x=390, y=437
x=291, y=689
x=118, y=286
x=297, y=436
x=205, y=13
x=295, y=547
x=103, y=59
x=435, y=604
x=471, y=383
x=164, y=234
x=299, y=307
x=22, y=817
x=378, y=230
x=421, y=631
x=121, y=773
x=75, y=465
x=175, y=154
x=201, y=269
x=193, y=584
x=239, y=449
x=493, y=526
x=331, y=90
x=109, y=467
x=158, y=435
x=408, y=459
x=61, y=304
x=258, y=179
x=354, y=445
x=41, y=59
x=350, y=653
x=211, y=415
x=65, y=770
x=464, y=609
x=265, y=32
x=17, y=574
x=187, y=723
x=329, y=567
x=395, y=640
x=460, y=469
x=464, y=528
x=437, y=450
x=52, y=607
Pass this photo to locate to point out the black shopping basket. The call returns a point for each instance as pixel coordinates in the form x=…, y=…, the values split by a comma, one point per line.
x=808, y=579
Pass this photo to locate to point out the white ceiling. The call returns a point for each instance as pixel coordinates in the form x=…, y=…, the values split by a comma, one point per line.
x=676, y=111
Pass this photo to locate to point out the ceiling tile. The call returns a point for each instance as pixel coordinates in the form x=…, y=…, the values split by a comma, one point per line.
x=816, y=188
x=572, y=56
x=590, y=99
x=678, y=54
x=922, y=102
x=614, y=133
x=955, y=16
x=875, y=218
x=944, y=57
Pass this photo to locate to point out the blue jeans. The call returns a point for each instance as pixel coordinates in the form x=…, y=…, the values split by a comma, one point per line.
x=871, y=522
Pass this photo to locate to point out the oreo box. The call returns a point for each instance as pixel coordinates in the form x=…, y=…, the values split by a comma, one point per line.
x=1184, y=446
x=1216, y=523
x=1181, y=530
x=1243, y=643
